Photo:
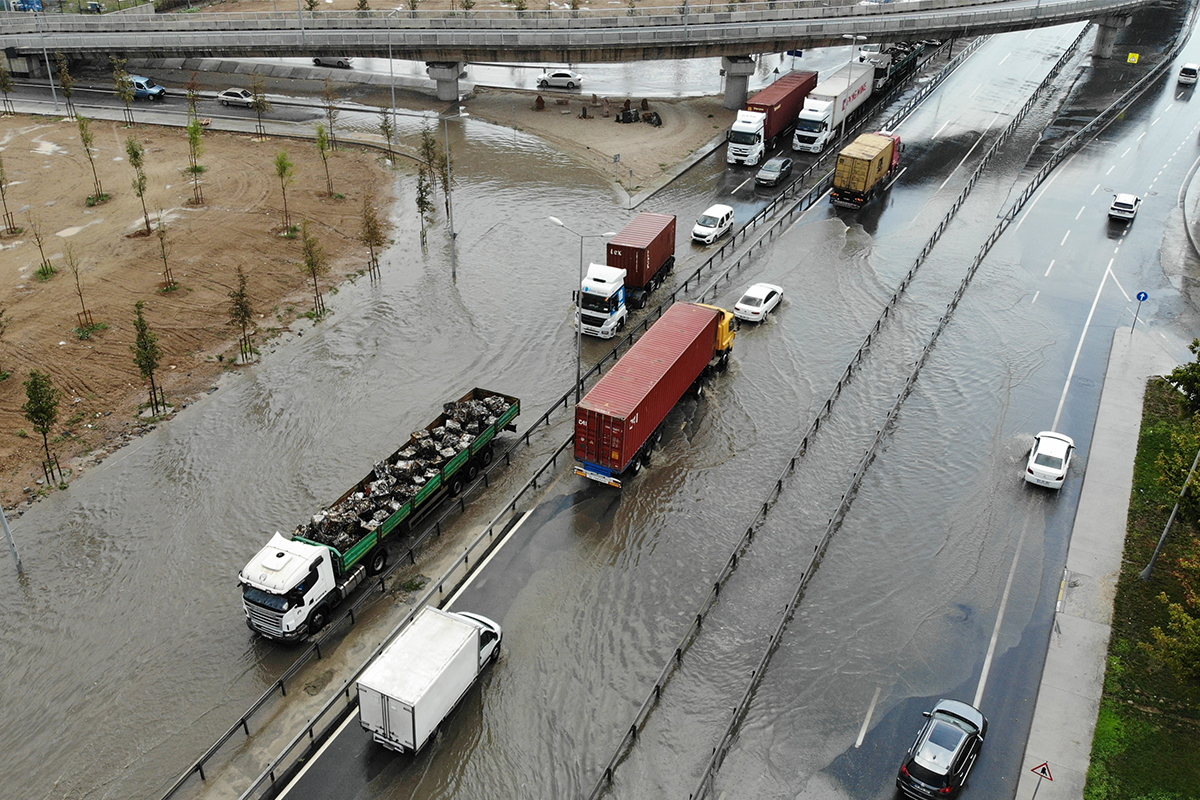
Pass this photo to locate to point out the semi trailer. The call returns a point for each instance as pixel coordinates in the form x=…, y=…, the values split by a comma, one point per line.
x=619, y=422
x=830, y=105
x=769, y=115
x=290, y=587
x=638, y=261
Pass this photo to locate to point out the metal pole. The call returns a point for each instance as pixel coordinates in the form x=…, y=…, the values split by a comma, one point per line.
x=1149, y=570
x=300, y=17
x=450, y=202
x=392, y=78
x=46, y=56
x=12, y=545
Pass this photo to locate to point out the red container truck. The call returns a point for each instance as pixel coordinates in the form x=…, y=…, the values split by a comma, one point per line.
x=645, y=249
x=619, y=422
x=781, y=102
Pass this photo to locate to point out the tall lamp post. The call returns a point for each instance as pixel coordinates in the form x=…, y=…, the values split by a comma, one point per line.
x=449, y=198
x=579, y=303
x=854, y=44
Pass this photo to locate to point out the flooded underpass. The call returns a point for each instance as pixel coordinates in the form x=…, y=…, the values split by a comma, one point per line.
x=127, y=639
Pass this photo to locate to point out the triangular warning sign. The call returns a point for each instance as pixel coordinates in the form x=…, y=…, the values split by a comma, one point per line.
x=1043, y=770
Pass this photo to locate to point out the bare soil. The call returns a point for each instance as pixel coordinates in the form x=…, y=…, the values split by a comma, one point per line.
x=239, y=225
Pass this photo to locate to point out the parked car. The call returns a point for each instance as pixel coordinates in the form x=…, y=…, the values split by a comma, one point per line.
x=560, y=78
x=946, y=748
x=236, y=97
x=342, y=62
x=27, y=5
x=758, y=301
x=146, y=89
x=713, y=224
x=1124, y=206
x=1049, y=459
x=1188, y=73
x=773, y=171
x=93, y=7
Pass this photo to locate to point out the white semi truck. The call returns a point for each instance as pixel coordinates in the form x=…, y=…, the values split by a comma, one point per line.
x=602, y=301
x=419, y=678
x=829, y=105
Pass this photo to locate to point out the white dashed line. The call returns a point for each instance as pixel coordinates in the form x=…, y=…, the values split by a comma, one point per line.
x=1004, y=59
x=1035, y=297
x=1110, y=169
x=1047, y=275
x=1065, y=235
x=939, y=130
x=1080, y=214
x=1096, y=189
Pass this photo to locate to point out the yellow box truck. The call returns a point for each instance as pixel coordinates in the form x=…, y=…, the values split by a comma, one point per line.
x=863, y=168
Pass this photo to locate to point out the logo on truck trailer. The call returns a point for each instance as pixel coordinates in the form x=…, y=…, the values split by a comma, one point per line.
x=856, y=93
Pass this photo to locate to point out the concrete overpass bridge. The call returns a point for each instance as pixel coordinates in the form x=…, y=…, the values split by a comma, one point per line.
x=446, y=41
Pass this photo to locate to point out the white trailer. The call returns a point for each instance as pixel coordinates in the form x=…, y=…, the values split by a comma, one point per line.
x=415, y=682
x=830, y=104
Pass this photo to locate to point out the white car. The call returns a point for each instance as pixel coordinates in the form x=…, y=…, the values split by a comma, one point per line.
x=344, y=62
x=758, y=301
x=1049, y=459
x=1188, y=74
x=560, y=78
x=236, y=97
x=1124, y=206
x=713, y=224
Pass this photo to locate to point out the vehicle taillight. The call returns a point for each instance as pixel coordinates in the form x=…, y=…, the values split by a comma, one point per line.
x=1060, y=477
x=904, y=769
x=946, y=790
x=1030, y=471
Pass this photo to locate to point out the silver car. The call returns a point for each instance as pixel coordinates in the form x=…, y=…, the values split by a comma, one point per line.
x=236, y=97
x=560, y=78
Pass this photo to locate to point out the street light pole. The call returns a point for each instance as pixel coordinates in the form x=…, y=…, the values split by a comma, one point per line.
x=854, y=40
x=11, y=543
x=579, y=304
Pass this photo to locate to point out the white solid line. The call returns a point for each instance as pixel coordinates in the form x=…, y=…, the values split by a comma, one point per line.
x=1064, y=239
x=1045, y=189
x=1071, y=373
x=939, y=130
x=862, y=732
x=479, y=567
x=991, y=651
x=1035, y=297
x=1080, y=214
x=1128, y=299
x=1047, y=275
x=316, y=756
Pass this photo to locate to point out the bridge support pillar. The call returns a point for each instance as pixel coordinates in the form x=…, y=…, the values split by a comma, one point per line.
x=1107, y=36
x=737, y=71
x=447, y=75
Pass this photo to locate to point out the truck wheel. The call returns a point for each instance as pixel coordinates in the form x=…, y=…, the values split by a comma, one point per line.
x=486, y=456
x=698, y=392
x=647, y=455
x=621, y=325
x=378, y=561
x=472, y=470
x=723, y=362
x=635, y=466
x=657, y=437
x=317, y=619
x=456, y=484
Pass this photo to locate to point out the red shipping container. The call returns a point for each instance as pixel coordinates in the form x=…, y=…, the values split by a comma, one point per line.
x=782, y=101
x=618, y=415
x=642, y=247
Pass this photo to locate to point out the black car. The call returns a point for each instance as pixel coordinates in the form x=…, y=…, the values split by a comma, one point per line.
x=775, y=170
x=940, y=759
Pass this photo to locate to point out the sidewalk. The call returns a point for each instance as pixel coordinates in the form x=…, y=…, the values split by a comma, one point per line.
x=1068, y=701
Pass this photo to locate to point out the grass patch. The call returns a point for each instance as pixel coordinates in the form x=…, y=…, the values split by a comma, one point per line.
x=86, y=331
x=96, y=199
x=46, y=271
x=1147, y=744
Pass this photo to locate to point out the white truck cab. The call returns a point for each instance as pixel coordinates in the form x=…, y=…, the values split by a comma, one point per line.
x=602, y=309
x=745, y=139
x=284, y=588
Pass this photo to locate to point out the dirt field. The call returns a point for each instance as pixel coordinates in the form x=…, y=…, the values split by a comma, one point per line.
x=48, y=181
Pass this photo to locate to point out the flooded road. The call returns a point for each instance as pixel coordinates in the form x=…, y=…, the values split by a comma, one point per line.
x=125, y=650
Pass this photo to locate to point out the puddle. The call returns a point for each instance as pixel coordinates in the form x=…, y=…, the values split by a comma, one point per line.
x=65, y=232
x=47, y=148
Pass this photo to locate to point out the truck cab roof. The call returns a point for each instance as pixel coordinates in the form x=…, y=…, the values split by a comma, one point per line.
x=603, y=280
x=279, y=566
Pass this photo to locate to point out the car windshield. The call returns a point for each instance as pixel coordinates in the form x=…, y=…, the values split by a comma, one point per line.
x=707, y=221
x=751, y=301
x=809, y=125
x=260, y=598
x=592, y=302
x=1048, y=461
x=743, y=137
x=772, y=166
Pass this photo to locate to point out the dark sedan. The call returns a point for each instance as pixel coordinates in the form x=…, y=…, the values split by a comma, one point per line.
x=940, y=759
x=774, y=171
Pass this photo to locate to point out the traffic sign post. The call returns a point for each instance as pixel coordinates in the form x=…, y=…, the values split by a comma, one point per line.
x=1141, y=298
x=1042, y=770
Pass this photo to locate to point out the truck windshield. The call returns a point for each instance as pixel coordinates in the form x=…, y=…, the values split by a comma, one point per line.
x=260, y=598
x=810, y=125
x=743, y=137
x=604, y=305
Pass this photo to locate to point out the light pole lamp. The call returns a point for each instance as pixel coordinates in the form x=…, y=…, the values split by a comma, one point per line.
x=579, y=303
x=854, y=43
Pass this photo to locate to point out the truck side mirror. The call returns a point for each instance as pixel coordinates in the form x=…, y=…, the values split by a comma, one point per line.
x=575, y=298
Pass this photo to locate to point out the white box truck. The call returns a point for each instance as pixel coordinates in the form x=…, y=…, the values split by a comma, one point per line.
x=415, y=682
x=830, y=104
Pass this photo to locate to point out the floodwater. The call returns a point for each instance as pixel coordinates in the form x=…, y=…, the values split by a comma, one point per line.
x=124, y=647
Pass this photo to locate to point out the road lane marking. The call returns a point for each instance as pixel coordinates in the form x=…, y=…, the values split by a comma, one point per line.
x=977, y=88
x=1139, y=138
x=1080, y=214
x=1035, y=297
x=316, y=756
x=972, y=150
x=1064, y=239
x=1096, y=189
x=1047, y=275
x=1046, y=188
x=1079, y=348
x=1127, y=149
x=893, y=183
x=939, y=130
x=991, y=651
x=1128, y=299
x=1004, y=59
x=738, y=188
x=1156, y=119
x=1110, y=169
x=480, y=567
x=862, y=732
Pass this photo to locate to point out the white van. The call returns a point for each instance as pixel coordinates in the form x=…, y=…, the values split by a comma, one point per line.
x=714, y=223
x=1188, y=73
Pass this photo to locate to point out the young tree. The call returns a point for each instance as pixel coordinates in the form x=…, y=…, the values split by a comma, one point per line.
x=286, y=171
x=124, y=86
x=195, y=134
x=1179, y=646
x=311, y=5
x=6, y=85
x=387, y=130
x=66, y=82
x=437, y=161
x=260, y=104
x=313, y=266
x=372, y=233
x=241, y=316
x=323, y=147
x=329, y=99
x=137, y=159
x=146, y=354
x=41, y=409
x=192, y=88
x=1186, y=378
x=412, y=7
x=164, y=249
x=88, y=140
x=45, y=270
x=86, y=325
x=3, y=329
x=10, y=225
x=363, y=5
x=425, y=204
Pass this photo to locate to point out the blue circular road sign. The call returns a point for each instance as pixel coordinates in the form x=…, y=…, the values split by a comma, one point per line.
x=1142, y=297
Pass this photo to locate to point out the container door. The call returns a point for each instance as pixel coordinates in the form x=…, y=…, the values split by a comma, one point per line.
x=599, y=438
x=400, y=721
x=370, y=709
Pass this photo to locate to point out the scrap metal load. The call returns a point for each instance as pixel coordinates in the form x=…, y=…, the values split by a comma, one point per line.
x=398, y=479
